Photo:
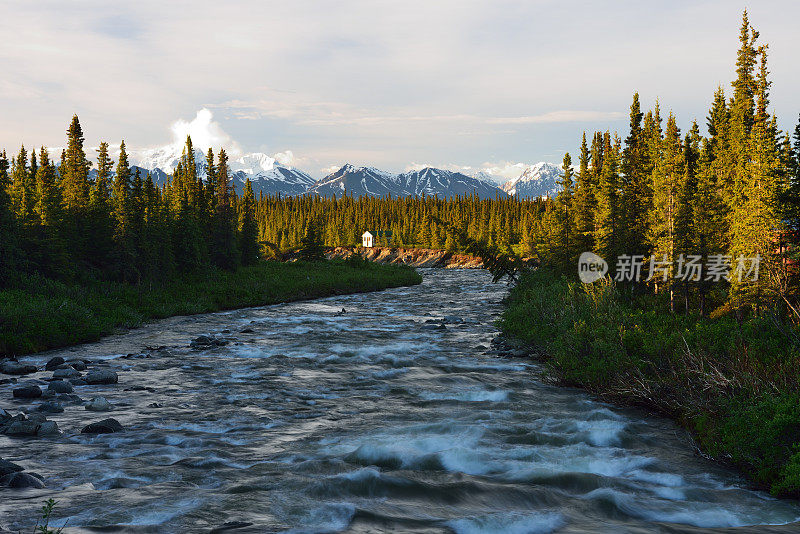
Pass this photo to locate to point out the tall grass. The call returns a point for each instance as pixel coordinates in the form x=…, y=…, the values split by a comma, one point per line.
x=40, y=313
x=736, y=386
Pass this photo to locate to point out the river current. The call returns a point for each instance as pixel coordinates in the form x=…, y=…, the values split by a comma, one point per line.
x=377, y=419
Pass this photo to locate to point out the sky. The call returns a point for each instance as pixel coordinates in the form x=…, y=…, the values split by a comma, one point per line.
x=458, y=84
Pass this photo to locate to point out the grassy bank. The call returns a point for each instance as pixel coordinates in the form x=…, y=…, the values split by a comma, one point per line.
x=41, y=314
x=735, y=386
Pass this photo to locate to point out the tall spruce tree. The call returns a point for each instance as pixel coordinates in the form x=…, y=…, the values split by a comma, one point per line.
x=9, y=250
x=248, y=229
x=585, y=201
x=48, y=197
x=224, y=251
x=75, y=170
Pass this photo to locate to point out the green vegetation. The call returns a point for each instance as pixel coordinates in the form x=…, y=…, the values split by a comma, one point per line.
x=43, y=525
x=719, y=351
x=40, y=313
x=734, y=384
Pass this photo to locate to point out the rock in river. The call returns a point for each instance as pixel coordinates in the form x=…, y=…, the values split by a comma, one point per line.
x=99, y=404
x=60, y=386
x=7, y=467
x=106, y=426
x=101, y=376
x=27, y=392
x=53, y=363
x=50, y=407
x=15, y=368
x=68, y=372
x=48, y=428
x=23, y=428
x=20, y=480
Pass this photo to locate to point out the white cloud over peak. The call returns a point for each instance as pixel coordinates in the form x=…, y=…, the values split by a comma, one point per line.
x=205, y=133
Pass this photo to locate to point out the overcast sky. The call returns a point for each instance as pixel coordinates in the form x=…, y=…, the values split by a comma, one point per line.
x=452, y=83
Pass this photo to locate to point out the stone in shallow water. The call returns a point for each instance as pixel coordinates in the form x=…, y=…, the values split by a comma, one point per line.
x=106, y=426
x=69, y=372
x=21, y=480
x=101, y=376
x=48, y=428
x=78, y=365
x=23, y=428
x=14, y=368
x=27, y=392
x=7, y=467
x=53, y=363
x=60, y=386
x=50, y=407
x=99, y=404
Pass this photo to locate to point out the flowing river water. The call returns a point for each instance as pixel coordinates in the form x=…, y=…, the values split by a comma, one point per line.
x=373, y=420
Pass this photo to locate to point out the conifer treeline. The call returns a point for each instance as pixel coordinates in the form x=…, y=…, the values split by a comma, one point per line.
x=666, y=196
x=412, y=220
x=59, y=221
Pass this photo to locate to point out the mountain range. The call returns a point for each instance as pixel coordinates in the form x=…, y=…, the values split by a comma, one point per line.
x=270, y=177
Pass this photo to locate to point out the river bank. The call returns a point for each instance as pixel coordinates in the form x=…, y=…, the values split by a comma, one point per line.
x=41, y=314
x=413, y=257
x=733, y=385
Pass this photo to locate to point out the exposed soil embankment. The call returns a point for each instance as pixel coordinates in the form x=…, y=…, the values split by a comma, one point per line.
x=415, y=257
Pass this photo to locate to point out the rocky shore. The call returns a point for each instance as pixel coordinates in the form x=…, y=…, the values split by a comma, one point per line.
x=414, y=257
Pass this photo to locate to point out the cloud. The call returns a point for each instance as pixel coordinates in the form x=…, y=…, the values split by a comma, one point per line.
x=285, y=158
x=561, y=116
x=205, y=133
x=415, y=81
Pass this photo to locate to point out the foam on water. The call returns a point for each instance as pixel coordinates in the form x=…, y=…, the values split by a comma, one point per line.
x=467, y=396
x=509, y=523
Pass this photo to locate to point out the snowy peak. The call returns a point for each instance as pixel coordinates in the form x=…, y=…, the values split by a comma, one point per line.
x=537, y=180
x=253, y=163
x=443, y=183
x=266, y=175
x=369, y=181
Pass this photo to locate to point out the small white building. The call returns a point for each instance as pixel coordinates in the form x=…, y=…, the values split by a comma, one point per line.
x=366, y=239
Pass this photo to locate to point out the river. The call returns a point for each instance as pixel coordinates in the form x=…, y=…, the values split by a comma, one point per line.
x=372, y=420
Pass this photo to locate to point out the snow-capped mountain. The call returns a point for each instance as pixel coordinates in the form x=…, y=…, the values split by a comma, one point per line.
x=538, y=180
x=486, y=177
x=444, y=184
x=265, y=174
x=361, y=181
x=357, y=181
